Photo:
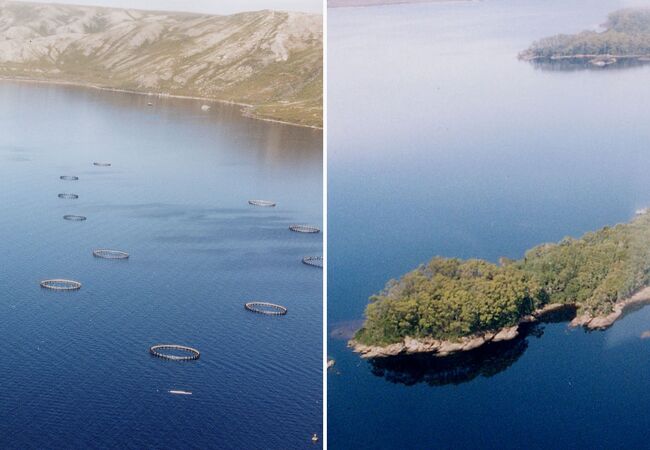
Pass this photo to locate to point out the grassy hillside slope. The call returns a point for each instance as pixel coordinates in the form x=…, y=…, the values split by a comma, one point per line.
x=271, y=61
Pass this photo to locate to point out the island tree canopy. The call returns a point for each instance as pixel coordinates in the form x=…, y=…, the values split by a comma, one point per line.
x=626, y=33
x=450, y=298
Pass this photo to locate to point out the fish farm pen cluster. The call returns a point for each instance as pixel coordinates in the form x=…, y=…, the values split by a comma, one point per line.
x=174, y=352
x=266, y=308
x=309, y=260
x=271, y=309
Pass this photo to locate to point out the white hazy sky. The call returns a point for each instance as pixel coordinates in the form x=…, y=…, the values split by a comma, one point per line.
x=203, y=6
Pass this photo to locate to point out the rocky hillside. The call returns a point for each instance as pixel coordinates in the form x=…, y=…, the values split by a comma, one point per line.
x=270, y=61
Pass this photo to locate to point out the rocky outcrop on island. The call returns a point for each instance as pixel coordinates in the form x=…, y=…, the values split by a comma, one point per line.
x=602, y=322
x=269, y=62
x=439, y=347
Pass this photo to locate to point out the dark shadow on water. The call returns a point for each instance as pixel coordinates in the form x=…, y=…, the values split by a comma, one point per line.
x=486, y=361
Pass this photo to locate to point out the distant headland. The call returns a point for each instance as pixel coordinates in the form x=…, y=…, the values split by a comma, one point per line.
x=450, y=305
x=625, y=40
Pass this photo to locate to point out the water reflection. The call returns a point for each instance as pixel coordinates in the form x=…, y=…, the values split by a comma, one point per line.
x=272, y=142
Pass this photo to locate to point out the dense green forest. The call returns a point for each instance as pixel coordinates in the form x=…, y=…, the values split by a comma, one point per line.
x=627, y=33
x=450, y=298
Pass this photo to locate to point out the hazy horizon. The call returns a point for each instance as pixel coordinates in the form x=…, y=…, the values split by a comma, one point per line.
x=198, y=6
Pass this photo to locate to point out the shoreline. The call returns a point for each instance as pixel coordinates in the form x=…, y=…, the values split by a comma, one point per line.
x=243, y=111
x=442, y=348
x=596, y=60
x=639, y=298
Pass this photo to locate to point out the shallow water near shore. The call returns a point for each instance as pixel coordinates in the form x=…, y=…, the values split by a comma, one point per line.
x=77, y=372
x=465, y=151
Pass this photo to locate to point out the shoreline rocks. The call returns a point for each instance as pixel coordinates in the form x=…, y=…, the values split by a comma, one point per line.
x=640, y=298
x=441, y=348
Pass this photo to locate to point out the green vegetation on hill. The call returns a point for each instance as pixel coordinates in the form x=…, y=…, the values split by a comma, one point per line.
x=449, y=298
x=626, y=33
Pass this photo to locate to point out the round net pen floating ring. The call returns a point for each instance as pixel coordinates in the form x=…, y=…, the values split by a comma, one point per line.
x=74, y=218
x=192, y=352
x=61, y=285
x=266, y=203
x=316, y=261
x=304, y=229
x=110, y=254
x=102, y=164
x=69, y=177
x=69, y=196
x=270, y=309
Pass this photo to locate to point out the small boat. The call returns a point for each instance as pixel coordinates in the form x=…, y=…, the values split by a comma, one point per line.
x=641, y=211
x=178, y=392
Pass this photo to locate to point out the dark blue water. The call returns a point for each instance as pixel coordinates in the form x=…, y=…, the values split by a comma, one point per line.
x=76, y=368
x=442, y=143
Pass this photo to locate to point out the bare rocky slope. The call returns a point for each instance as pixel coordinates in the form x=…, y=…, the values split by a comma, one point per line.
x=268, y=61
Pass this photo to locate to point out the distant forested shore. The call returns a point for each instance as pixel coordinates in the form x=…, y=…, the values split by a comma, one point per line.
x=625, y=39
x=451, y=305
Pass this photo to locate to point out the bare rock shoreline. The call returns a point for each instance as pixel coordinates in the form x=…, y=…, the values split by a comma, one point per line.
x=440, y=348
x=640, y=298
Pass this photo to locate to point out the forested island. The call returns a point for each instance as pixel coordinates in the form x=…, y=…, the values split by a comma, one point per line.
x=451, y=305
x=625, y=39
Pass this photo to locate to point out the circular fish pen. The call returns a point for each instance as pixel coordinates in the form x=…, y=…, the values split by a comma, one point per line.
x=69, y=196
x=315, y=261
x=110, y=254
x=270, y=309
x=59, y=284
x=69, y=177
x=102, y=164
x=304, y=229
x=192, y=353
x=266, y=203
x=74, y=218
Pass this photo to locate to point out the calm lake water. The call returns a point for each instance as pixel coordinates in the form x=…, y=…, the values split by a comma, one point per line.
x=76, y=367
x=442, y=143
